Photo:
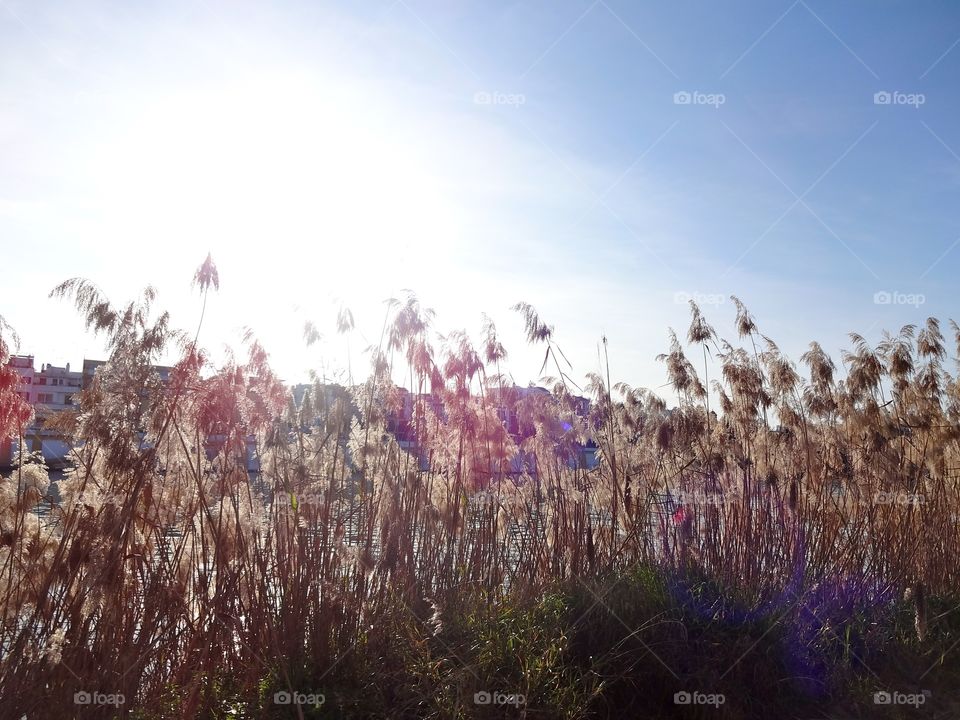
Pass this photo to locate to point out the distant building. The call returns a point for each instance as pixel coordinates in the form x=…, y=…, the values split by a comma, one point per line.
x=507, y=402
x=50, y=390
x=53, y=389
x=23, y=364
x=90, y=370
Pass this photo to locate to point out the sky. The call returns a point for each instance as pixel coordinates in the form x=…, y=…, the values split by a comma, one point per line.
x=605, y=161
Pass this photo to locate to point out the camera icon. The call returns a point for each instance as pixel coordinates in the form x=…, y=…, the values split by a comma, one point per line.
x=82, y=698
x=682, y=698
x=482, y=698
x=882, y=298
x=882, y=98
x=882, y=698
x=282, y=698
x=682, y=98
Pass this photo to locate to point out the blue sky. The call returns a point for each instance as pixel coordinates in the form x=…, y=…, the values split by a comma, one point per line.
x=483, y=153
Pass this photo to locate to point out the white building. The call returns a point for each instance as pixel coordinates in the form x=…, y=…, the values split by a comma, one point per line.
x=50, y=390
x=23, y=364
x=54, y=388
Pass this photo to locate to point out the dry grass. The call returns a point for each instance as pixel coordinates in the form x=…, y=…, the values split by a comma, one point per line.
x=166, y=576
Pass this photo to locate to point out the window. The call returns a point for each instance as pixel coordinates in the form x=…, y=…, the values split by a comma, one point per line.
x=41, y=381
x=45, y=398
x=68, y=399
x=26, y=380
x=24, y=395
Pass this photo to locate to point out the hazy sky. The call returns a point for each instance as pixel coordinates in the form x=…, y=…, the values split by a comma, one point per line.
x=600, y=160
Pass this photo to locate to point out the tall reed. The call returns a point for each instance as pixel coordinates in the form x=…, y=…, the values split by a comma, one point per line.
x=166, y=575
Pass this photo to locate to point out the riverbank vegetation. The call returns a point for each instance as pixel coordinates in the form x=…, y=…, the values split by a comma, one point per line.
x=782, y=540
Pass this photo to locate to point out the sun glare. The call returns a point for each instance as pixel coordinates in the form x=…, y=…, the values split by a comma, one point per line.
x=313, y=172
